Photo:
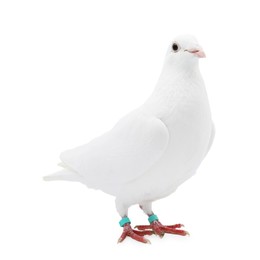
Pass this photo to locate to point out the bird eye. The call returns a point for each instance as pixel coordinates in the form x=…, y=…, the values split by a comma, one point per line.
x=175, y=47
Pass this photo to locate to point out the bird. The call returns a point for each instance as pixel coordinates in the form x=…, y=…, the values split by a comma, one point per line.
x=155, y=148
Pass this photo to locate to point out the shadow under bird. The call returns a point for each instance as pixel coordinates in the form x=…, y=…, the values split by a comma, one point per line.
x=153, y=149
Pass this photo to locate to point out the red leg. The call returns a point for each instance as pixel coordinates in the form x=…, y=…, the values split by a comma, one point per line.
x=159, y=229
x=134, y=234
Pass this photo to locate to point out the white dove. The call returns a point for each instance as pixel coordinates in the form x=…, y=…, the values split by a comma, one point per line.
x=153, y=149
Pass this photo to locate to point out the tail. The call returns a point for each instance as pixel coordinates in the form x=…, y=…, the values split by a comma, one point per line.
x=64, y=175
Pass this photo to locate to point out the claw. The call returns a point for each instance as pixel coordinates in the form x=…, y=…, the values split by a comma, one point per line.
x=148, y=241
x=119, y=240
x=162, y=235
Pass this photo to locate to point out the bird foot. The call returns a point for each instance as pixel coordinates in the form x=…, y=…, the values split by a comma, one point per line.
x=159, y=229
x=137, y=235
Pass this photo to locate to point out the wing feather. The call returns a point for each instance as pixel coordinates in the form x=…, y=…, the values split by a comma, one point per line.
x=121, y=155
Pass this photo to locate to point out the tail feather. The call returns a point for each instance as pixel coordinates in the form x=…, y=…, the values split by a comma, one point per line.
x=64, y=175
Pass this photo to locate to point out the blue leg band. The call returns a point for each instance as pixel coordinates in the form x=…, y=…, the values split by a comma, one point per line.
x=124, y=221
x=152, y=218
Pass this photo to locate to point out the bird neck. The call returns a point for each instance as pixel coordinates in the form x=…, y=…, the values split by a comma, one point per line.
x=177, y=76
x=175, y=70
x=176, y=82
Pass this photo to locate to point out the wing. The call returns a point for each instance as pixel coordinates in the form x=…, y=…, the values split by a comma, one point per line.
x=212, y=136
x=121, y=155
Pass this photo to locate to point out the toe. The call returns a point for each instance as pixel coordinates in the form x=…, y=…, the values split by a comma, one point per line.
x=176, y=226
x=122, y=237
x=143, y=227
x=175, y=231
x=139, y=238
x=143, y=232
x=137, y=235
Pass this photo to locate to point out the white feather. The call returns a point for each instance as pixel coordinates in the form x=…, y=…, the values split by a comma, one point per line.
x=122, y=154
x=63, y=175
x=152, y=150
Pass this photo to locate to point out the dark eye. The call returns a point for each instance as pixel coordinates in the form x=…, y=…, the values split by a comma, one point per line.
x=175, y=47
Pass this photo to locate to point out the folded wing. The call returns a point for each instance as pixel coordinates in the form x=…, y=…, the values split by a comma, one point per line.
x=121, y=155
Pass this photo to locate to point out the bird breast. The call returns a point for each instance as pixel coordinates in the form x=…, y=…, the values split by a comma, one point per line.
x=187, y=117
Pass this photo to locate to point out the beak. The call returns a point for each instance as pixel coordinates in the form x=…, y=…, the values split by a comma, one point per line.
x=197, y=52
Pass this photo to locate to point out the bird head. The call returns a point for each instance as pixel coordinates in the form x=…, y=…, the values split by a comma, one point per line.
x=184, y=49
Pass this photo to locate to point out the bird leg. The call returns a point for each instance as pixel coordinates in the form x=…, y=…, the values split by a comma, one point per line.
x=137, y=235
x=159, y=229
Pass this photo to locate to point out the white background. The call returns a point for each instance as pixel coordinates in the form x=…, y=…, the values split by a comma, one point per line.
x=69, y=70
